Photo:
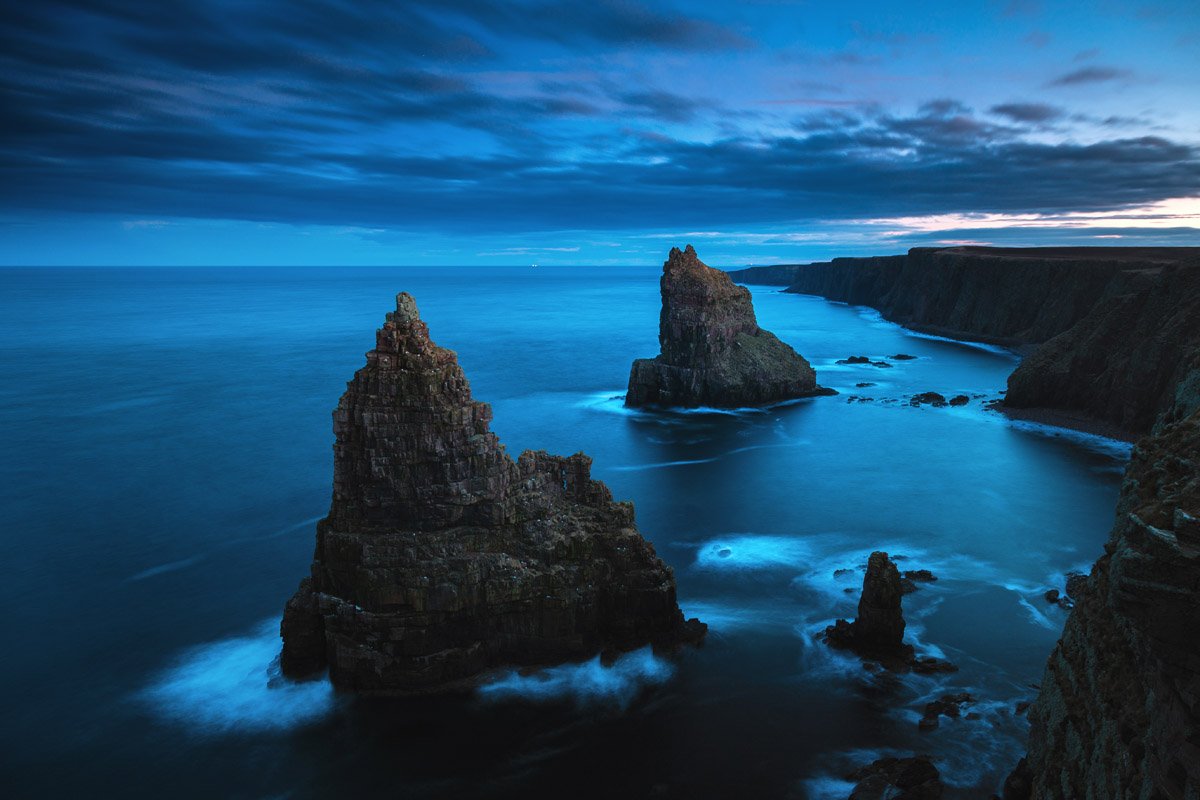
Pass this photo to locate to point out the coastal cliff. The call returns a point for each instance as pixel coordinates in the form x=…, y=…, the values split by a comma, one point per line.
x=1118, y=714
x=1091, y=319
x=1122, y=362
x=441, y=557
x=713, y=351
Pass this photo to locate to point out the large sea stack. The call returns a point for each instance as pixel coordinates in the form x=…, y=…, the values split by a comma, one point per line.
x=713, y=352
x=441, y=557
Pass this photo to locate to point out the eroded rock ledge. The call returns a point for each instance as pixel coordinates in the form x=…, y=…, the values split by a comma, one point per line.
x=713, y=351
x=441, y=557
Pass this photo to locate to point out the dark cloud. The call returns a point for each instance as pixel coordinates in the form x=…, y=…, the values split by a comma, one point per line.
x=1034, y=113
x=1090, y=75
x=402, y=115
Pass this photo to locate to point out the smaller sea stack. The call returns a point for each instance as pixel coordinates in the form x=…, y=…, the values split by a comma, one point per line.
x=878, y=632
x=713, y=352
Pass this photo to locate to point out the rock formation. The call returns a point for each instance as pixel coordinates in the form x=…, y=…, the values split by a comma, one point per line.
x=1111, y=322
x=878, y=631
x=713, y=352
x=1118, y=715
x=1122, y=362
x=441, y=557
x=914, y=778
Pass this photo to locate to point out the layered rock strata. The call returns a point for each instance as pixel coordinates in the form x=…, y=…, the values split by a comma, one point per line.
x=713, y=351
x=441, y=557
x=1118, y=714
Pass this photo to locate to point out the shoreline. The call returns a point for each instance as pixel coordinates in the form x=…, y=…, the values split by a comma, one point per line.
x=1057, y=418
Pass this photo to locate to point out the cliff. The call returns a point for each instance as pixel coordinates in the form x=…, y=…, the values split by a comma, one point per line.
x=1090, y=317
x=1118, y=715
x=1122, y=362
x=441, y=557
x=713, y=353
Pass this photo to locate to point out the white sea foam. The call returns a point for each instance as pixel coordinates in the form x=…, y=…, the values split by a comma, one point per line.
x=1102, y=445
x=234, y=685
x=170, y=566
x=586, y=683
x=749, y=552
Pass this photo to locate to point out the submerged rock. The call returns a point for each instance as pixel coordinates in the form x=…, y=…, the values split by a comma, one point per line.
x=441, y=557
x=948, y=705
x=928, y=398
x=913, y=778
x=713, y=352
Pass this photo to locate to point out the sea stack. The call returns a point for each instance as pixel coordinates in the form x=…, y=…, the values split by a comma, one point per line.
x=878, y=631
x=713, y=352
x=441, y=557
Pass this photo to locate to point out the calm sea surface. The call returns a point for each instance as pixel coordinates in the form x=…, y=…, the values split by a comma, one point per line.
x=167, y=451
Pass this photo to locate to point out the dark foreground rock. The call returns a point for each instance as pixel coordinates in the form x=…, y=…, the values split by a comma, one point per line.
x=1119, y=707
x=913, y=778
x=441, y=557
x=713, y=352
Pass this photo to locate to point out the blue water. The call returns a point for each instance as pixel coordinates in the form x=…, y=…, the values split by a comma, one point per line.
x=167, y=450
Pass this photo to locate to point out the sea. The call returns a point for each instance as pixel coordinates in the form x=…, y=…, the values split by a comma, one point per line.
x=168, y=450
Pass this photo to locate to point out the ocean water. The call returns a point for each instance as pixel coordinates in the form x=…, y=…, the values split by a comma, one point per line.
x=168, y=450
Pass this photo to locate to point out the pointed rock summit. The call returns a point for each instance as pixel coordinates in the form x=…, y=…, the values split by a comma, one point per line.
x=713, y=352
x=878, y=631
x=441, y=557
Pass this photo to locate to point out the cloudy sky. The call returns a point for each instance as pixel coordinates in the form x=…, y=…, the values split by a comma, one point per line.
x=518, y=131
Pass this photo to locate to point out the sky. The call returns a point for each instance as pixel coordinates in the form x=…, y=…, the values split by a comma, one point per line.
x=464, y=132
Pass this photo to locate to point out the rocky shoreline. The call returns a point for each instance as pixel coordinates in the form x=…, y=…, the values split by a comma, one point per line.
x=1118, y=352
x=1104, y=329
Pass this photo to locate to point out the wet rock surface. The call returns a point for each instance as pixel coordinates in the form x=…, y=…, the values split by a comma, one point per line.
x=948, y=705
x=713, y=353
x=442, y=557
x=914, y=778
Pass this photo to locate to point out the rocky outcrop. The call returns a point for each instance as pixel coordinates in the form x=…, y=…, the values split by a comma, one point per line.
x=878, y=630
x=441, y=557
x=713, y=351
x=1105, y=325
x=914, y=778
x=1118, y=715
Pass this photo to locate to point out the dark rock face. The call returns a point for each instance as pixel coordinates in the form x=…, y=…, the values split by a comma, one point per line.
x=1119, y=707
x=878, y=631
x=442, y=557
x=713, y=352
x=1122, y=362
x=913, y=778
